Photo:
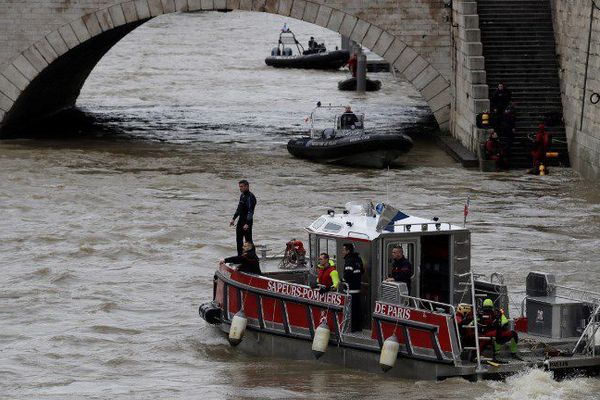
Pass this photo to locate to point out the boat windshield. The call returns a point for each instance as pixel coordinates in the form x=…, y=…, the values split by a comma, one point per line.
x=328, y=122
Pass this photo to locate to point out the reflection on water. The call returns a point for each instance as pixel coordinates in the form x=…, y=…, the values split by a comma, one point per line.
x=110, y=238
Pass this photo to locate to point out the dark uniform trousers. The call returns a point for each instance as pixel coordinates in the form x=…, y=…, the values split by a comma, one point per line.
x=241, y=234
x=353, y=270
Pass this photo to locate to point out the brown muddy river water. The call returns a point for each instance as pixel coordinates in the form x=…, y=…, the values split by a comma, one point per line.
x=109, y=237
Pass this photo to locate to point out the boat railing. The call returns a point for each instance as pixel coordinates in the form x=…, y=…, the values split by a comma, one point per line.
x=241, y=292
x=474, y=325
x=587, y=341
x=571, y=293
x=420, y=304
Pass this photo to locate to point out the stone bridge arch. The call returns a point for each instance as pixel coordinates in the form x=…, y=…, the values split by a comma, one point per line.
x=48, y=74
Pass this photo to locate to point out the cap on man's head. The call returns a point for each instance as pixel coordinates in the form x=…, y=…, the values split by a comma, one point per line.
x=243, y=182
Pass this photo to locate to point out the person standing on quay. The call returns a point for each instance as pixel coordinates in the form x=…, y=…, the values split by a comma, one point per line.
x=245, y=212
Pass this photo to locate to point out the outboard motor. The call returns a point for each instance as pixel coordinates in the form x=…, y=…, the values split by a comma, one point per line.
x=210, y=312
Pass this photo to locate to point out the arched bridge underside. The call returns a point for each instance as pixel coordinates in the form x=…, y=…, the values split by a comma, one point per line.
x=48, y=49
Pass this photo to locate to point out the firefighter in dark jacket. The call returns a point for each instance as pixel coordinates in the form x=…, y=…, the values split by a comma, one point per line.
x=402, y=269
x=245, y=212
x=353, y=270
x=248, y=260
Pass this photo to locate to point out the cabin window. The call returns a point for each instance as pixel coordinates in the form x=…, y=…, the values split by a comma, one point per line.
x=328, y=246
x=333, y=228
x=409, y=253
x=318, y=223
x=435, y=268
x=314, y=251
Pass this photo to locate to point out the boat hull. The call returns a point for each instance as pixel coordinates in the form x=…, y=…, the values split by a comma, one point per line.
x=278, y=346
x=330, y=60
x=350, y=84
x=372, y=151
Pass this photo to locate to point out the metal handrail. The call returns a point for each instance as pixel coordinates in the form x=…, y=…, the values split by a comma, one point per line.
x=418, y=303
x=475, y=327
x=586, y=332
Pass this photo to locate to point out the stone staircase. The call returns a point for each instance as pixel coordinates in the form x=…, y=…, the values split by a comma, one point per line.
x=519, y=50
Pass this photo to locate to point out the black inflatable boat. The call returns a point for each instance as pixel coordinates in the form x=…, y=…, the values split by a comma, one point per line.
x=315, y=57
x=350, y=84
x=349, y=144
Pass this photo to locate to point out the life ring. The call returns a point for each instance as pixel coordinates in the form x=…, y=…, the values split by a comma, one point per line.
x=595, y=98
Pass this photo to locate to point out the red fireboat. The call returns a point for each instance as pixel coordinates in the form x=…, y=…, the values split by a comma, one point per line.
x=416, y=335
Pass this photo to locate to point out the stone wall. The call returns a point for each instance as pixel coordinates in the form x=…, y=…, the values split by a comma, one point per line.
x=469, y=87
x=582, y=117
x=38, y=41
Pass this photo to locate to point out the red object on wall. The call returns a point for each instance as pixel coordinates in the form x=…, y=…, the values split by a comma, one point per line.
x=521, y=324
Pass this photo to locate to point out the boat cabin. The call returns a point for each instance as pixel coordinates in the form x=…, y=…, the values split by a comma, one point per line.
x=438, y=252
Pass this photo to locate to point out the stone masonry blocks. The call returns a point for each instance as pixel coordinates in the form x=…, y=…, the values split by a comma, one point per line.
x=434, y=87
x=207, y=5
x=68, y=35
x=323, y=16
x=104, y=20
x=35, y=58
x=415, y=68
x=5, y=103
x=371, y=37
x=81, y=31
x=285, y=7
x=442, y=99
x=92, y=25
x=57, y=43
x=182, y=5
x=360, y=30
x=335, y=20
x=425, y=77
x=131, y=14
x=298, y=9
x=156, y=7
x=406, y=57
x=118, y=17
x=467, y=8
x=310, y=12
x=348, y=25
x=477, y=62
x=394, y=51
x=46, y=50
x=245, y=5
x=193, y=5
x=472, y=48
x=478, y=77
x=470, y=35
x=383, y=44
x=442, y=116
x=233, y=4
x=480, y=92
x=481, y=105
x=17, y=78
x=25, y=67
x=169, y=6
x=470, y=21
x=143, y=9
x=8, y=88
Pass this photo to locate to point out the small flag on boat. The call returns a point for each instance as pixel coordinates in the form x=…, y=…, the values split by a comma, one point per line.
x=466, y=212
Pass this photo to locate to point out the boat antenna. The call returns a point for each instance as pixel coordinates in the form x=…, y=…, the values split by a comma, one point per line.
x=387, y=185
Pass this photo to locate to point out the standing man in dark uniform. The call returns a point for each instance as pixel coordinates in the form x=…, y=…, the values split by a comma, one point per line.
x=245, y=210
x=353, y=270
x=402, y=269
